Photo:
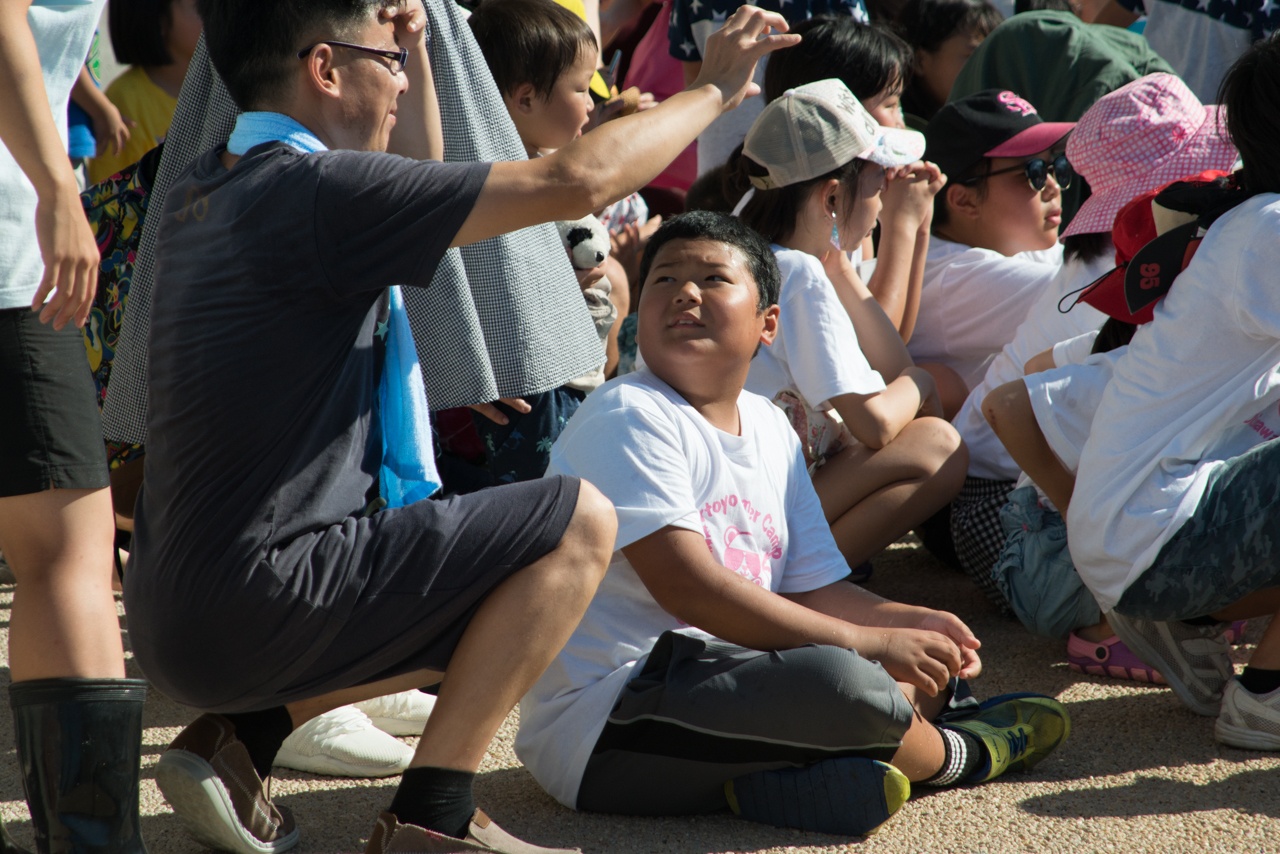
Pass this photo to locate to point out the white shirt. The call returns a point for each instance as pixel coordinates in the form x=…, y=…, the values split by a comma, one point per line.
x=661, y=463
x=1197, y=42
x=1044, y=327
x=972, y=301
x=63, y=34
x=1182, y=401
x=816, y=350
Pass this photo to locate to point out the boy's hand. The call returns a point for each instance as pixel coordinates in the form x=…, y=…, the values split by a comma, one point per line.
x=926, y=659
x=946, y=623
x=729, y=60
x=588, y=278
x=410, y=19
x=496, y=415
x=628, y=243
x=909, y=192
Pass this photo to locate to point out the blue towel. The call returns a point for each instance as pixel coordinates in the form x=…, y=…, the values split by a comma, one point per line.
x=408, y=471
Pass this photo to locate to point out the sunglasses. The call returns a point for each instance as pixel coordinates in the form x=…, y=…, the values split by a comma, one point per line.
x=397, y=59
x=1038, y=170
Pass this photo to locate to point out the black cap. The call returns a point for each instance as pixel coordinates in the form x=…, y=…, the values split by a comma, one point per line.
x=990, y=123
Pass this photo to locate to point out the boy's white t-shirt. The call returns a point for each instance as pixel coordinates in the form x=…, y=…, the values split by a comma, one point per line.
x=661, y=463
x=816, y=350
x=1044, y=327
x=1184, y=399
x=972, y=301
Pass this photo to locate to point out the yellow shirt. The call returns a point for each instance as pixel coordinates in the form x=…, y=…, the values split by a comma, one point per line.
x=137, y=98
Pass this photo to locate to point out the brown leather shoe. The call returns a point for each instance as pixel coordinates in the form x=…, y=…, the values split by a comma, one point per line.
x=206, y=775
x=391, y=837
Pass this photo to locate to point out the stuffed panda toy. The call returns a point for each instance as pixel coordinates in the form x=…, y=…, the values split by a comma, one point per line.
x=587, y=241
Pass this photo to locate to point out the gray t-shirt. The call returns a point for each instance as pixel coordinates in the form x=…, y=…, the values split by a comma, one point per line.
x=263, y=365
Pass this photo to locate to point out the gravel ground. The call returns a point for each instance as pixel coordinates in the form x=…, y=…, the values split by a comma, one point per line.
x=1139, y=773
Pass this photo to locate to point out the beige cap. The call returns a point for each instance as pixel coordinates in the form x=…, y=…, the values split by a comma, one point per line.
x=817, y=128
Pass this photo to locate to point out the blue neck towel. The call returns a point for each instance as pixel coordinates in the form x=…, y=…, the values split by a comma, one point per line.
x=408, y=471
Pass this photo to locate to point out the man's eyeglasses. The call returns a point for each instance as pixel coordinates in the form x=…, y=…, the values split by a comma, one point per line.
x=398, y=58
x=1038, y=170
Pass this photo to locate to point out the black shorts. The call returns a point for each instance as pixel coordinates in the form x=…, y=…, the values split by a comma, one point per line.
x=50, y=432
x=274, y=634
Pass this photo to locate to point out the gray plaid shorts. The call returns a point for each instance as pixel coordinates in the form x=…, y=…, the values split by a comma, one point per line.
x=1228, y=549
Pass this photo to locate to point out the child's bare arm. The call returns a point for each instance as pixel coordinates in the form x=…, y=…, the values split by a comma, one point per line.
x=109, y=126
x=875, y=420
x=1008, y=411
x=684, y=578
x=418, y=133
x=878, y=337
x=907, y=212
x=1042, y=361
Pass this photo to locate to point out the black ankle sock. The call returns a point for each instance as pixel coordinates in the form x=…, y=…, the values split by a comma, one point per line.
x=1202, y=621
x=1256, y=680
x=262, y=733
x=964, y=754
x=437, y=799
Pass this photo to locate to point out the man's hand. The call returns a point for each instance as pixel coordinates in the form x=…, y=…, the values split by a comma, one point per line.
x=496, y=415
x=926, y=659
x=70, y=259
x=729, y=60
x=909, y=192
x=946, y=623
x=410, y=19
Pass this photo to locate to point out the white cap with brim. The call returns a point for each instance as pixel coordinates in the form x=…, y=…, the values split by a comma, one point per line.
x=817, y=128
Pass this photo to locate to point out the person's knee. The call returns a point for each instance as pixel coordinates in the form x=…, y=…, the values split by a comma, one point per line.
x=594, y=527
x=939, y=449
x=69, y=532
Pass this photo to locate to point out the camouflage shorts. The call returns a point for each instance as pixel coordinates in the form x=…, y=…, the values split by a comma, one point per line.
x=1227, y=550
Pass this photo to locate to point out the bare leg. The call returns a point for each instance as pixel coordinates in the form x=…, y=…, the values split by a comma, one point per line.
x=951, y=387
x=1260, y=604
x=922, y=753
x=64, y=617
x=305, y=710
x=871, y=498
x=1097, y=633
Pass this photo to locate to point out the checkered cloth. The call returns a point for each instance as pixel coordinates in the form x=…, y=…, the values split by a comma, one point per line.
x=502, y=318
x=977, y=533
x=1144, y=135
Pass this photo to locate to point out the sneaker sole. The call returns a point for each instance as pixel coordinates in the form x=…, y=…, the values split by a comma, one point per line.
x=1139, y=647
x=398, y=727
x=1247, y=739
x=328, y=766
x=204, y=806
x=847, y=797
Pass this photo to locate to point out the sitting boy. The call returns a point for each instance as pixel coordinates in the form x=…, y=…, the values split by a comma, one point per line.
x=270, y=591
x=724, y=660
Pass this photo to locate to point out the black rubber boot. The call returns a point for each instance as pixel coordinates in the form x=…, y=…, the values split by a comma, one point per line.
x=79, y=744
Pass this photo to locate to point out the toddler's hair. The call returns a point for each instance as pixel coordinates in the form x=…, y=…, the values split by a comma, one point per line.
x=869, y=58
x=529, y=41
x=721, y=228
x=1250, y=94
x=254, y=44
x=773, y=213
x=926, y=24
x=137, y=31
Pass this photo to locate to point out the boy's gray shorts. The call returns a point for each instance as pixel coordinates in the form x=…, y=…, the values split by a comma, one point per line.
x=701, y=713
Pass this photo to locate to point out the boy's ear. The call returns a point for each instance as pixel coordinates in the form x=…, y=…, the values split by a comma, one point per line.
x=963, y=201
x=770, y=331
x=521, y=100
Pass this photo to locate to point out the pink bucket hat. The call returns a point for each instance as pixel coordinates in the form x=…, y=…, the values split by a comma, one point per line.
x=1138, y=138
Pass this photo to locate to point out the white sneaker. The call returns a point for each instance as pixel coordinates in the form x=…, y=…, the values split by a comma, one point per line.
x=405, y=713
x=1248, y=720
x=1194, y=660
x=344, y=743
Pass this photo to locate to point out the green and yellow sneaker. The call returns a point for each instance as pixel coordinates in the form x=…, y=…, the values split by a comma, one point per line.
x=850, y=796
x=1018, y=730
